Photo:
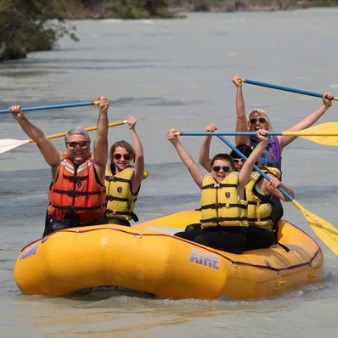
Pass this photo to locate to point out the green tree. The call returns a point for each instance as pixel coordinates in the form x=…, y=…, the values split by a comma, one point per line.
x=26, y=25
x=136, y=9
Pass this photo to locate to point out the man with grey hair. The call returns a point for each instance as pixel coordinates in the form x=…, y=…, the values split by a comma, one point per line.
x=77, y=130
x=77, y=192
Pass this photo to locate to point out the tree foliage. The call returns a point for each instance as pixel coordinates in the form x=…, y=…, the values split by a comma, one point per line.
x=133, y=9
x=25, y=26
x=30, y=25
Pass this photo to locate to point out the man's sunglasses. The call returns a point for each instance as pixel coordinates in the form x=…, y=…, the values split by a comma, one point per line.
x=74, y=144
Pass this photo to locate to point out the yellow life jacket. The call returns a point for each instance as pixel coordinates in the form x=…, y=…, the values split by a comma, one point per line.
x=120, y=199
x=259, y=210
x=221, y=204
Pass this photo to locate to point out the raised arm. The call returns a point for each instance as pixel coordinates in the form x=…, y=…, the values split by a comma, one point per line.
x=308, y=120
x=241, y=123
x=139, y=156
x=204, y=154
x=100, y=151
x=186, y=158
x=246, y=171
x=51, y=155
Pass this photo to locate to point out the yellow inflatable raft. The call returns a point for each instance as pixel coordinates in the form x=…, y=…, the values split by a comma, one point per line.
x=147, y=258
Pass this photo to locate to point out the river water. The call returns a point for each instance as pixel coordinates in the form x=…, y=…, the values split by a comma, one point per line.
x=172, y=73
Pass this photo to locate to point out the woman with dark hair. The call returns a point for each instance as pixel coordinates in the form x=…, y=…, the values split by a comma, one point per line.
x=123, y=180
x=238, y=160
x=223, y=208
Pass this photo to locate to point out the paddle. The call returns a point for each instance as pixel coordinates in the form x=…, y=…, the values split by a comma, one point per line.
x=9, y=144
x=323, y=229
x=66, y=105
x=326, y=133
x=288, y=89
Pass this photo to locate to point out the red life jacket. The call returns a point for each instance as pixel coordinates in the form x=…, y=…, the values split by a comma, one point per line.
x=77, y=192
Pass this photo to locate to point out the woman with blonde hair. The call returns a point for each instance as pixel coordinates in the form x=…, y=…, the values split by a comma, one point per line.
x=258, y=118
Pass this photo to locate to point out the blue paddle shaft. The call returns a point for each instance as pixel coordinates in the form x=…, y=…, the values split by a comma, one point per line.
x=55, y=106
x=288, y=89
x=227, y=133
x=239, y=153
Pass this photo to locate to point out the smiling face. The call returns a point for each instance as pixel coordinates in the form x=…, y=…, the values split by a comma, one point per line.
x=258, y=119
x=239, y=162
x=78, y=148
x=220, y=169
x=121, y=158
x=241, y=150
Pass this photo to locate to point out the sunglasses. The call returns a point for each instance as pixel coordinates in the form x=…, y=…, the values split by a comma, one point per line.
x=74, y=144
x=238, y=160
x=260, y=120
x=126, y=157
x=218, y=168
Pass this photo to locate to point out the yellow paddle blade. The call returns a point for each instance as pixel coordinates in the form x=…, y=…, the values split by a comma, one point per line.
x=113, y=124
x=322, y=228
x=326, y=134
x=9, y=144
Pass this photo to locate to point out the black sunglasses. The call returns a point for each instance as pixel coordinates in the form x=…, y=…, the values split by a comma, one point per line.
x=260, y=120
x=238, y=160
x=127, y=157
x=74, y=144
x=218, y=168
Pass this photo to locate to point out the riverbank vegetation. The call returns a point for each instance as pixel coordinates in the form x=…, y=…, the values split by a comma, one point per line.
x=27, y=26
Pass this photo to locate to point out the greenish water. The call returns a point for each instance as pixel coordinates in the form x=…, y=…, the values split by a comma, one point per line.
x=172, y=73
